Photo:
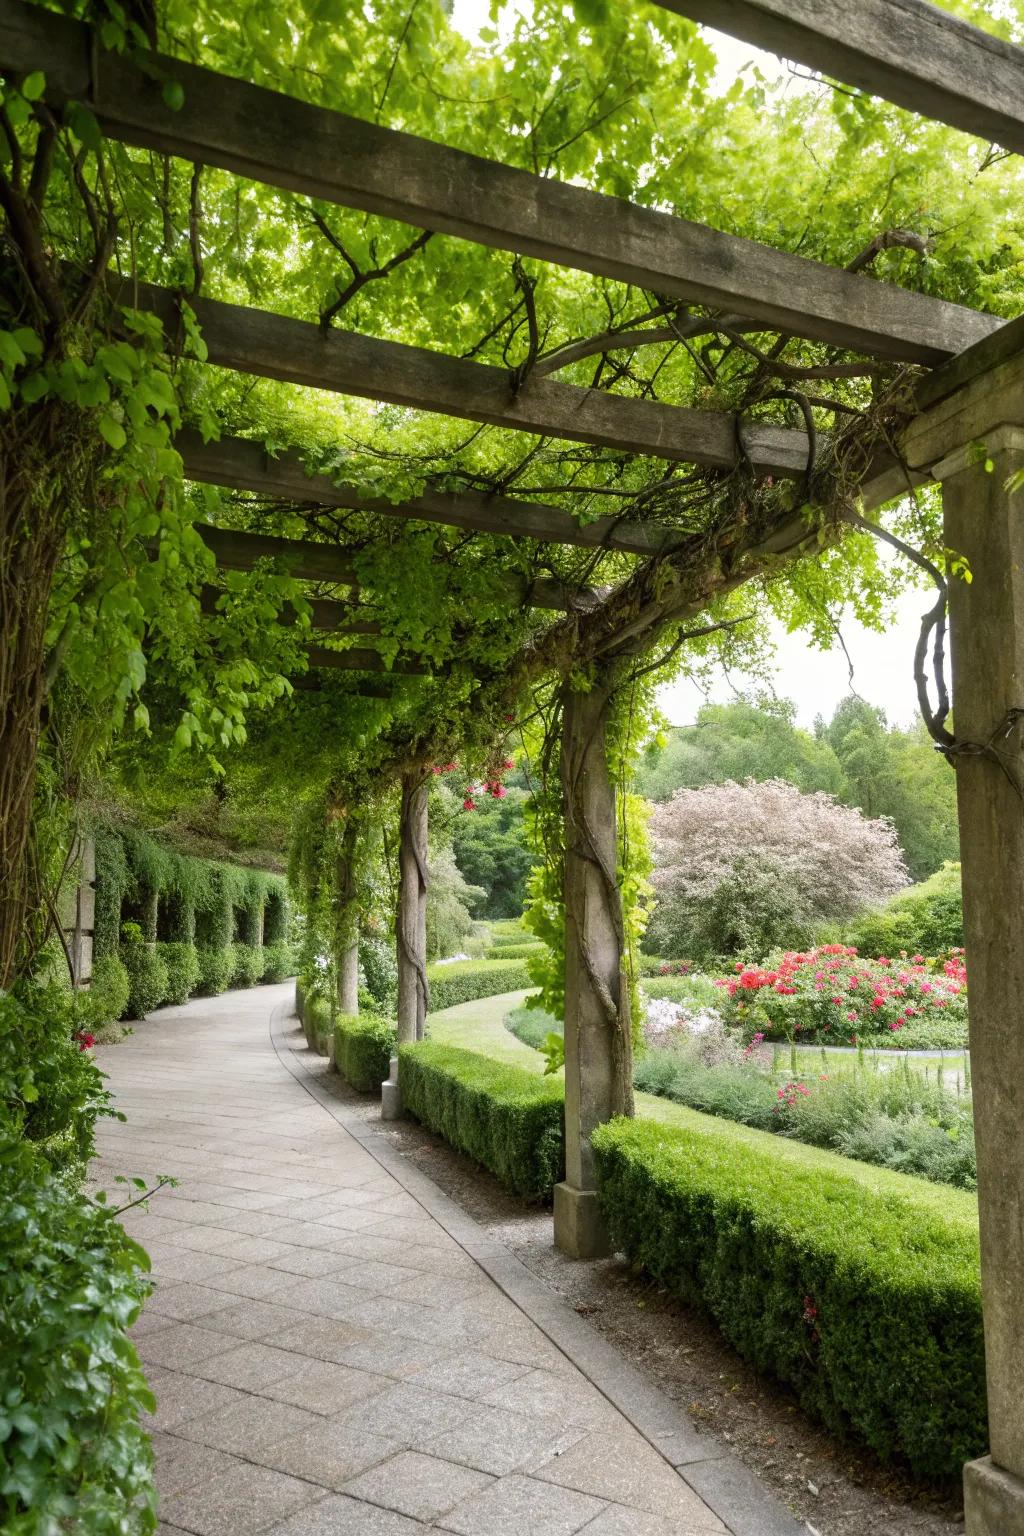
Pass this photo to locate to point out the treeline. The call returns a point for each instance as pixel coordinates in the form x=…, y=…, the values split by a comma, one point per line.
x=857, y=756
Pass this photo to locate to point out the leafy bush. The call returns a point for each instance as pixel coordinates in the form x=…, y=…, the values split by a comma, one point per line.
x=147, y=973
x=865, y=1301
x=743, y=868
x=532, y=1025
x=927, y=919
x=216, y=966
x=512, y=951
x=51, y=1091
x=363, y=1048
x=183, y=971
x=108, y=990
x=246, y=965
x=465, y=980
x=508, y=1120
x=831, y=995
x=73, y=1454
x=278, y=962
x=697, y=991
x=508, y=930
x=380, y=969
x=317, y=1023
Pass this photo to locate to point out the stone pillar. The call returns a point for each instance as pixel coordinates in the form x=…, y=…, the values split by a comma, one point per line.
x=598, y=1046
x=347, y=932
x=985, y=524
x=410, y=929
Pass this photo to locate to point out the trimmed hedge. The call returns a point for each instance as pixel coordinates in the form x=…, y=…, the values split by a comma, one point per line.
x=278, y=961
x=865, y=1300
x=147, y=977
x=363, y=1047
x=465, y=980
x=183, y=971
x=513, y=951
x=508, y=1120
x=215, y=969
x=317, y=1023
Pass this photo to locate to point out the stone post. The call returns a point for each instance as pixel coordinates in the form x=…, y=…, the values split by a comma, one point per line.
x=410, y=929
x=984, y=522
x=598, y=1047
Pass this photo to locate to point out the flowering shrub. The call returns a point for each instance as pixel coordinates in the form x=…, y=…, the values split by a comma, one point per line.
x=833, y=995
x=746, y=867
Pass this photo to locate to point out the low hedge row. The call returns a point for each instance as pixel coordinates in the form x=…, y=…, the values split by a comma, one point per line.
x=363, y=1047
x=506, y=1119
x=513, y=951
x=463, y=981
x=317, y=1023
x=864, y=1299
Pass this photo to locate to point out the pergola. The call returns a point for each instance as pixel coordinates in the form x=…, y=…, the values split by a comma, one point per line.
x=905, y=50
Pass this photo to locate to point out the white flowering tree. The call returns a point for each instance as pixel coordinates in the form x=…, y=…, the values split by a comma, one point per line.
x=741, y=868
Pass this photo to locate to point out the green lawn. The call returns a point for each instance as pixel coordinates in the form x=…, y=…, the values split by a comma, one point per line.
x=480, y=1026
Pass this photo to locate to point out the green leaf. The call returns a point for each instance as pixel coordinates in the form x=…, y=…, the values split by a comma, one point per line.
x=84, y=126
x=33, y=85
x=173, y=93
x=112, y=432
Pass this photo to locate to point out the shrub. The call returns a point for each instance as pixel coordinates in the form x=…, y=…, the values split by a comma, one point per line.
x=465, y=980
x=183, y=971
x=865, y=1301
x=508, y=1120
x=246, y=965
x=745, y=867
x=216, y=965
x=380, y=969
x=832, y=995
x=512, y=951
x=508, y=930
x=363, y=1048
x=73, y=1454
x=108, y=990
x=317, y=1023
x=51, y=1091
x=532, y=1025
x=147, y=973
x=927, y=919
x=278, y=962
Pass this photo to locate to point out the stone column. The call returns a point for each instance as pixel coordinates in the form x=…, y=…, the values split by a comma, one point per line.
x=347, y=933
x=410, y=928
x=984, y=522
x=598, y=1047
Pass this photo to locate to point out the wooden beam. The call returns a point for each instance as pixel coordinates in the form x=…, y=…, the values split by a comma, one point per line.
x=236, y=550
x=273, y=346
x=359, y=659
x=243, y=465
x=274, y=139
x=329, y=617
x=906, y=51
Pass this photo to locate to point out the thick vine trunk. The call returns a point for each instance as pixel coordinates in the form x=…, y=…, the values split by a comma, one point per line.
x=411, y=927
x=598, y=1036
x=347, y=931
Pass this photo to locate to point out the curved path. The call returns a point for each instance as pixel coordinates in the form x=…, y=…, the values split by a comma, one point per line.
x=337, y=1350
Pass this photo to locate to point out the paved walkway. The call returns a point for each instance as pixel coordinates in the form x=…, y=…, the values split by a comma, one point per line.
x=334, y=1355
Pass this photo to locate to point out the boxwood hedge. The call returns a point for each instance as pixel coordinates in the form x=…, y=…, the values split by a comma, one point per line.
x=463, y=981
x=506, y=1119
x=363, y=1047
x=864, y=1299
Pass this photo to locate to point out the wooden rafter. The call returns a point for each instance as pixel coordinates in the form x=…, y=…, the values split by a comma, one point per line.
x=243, y=465
x=273, y=346
x=906, y=51
x=275, y=139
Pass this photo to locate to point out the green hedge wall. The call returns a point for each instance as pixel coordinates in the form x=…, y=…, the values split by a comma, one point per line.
x=363, y=1047
x=317, y=1023
x=508, y=1120
x=865, y=1300
x=465, y=980
x=513, y=951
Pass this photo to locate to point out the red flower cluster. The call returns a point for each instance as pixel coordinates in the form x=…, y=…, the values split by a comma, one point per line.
x=675, y=968
x=789, y=1093
x=85, y=1040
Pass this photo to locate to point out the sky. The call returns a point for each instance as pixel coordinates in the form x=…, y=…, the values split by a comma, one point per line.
x=815, y=680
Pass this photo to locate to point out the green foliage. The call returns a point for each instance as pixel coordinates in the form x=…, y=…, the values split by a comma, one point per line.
x=109, y=990
x=532, y=1025
x=183, y=971
x=866, y=1304
x=492, y=852
x=278, y=961
x=508, y=1120
x=73, y=1454
x=51, y=1091
x=379, y=966
x=752, y=909
x=317, y=1022
x=363, y=1048
x=464, y=980
x=246, y=965
x=147, y=973
x=111, y=883
x=512, y=951
x=927, y=919
x=738, y=741
x=216, y=968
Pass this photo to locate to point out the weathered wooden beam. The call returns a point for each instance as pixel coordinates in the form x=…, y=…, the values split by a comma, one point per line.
x=238, y=550
x=243, y=465
x=275, y=347
x=907, y=51
x=328, y=616
x=272, y=138
x=360, y=659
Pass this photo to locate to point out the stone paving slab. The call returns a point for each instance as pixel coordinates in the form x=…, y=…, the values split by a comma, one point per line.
x=337, y=1350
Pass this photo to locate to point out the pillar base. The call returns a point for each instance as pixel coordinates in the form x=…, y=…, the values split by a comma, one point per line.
x=579, y=1228
x=993, y=1500
x=391, y=1094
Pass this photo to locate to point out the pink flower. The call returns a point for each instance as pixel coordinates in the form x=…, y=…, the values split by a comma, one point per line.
x=469, y=804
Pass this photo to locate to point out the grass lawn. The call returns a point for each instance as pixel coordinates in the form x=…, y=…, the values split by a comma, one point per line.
x=480, y=1026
